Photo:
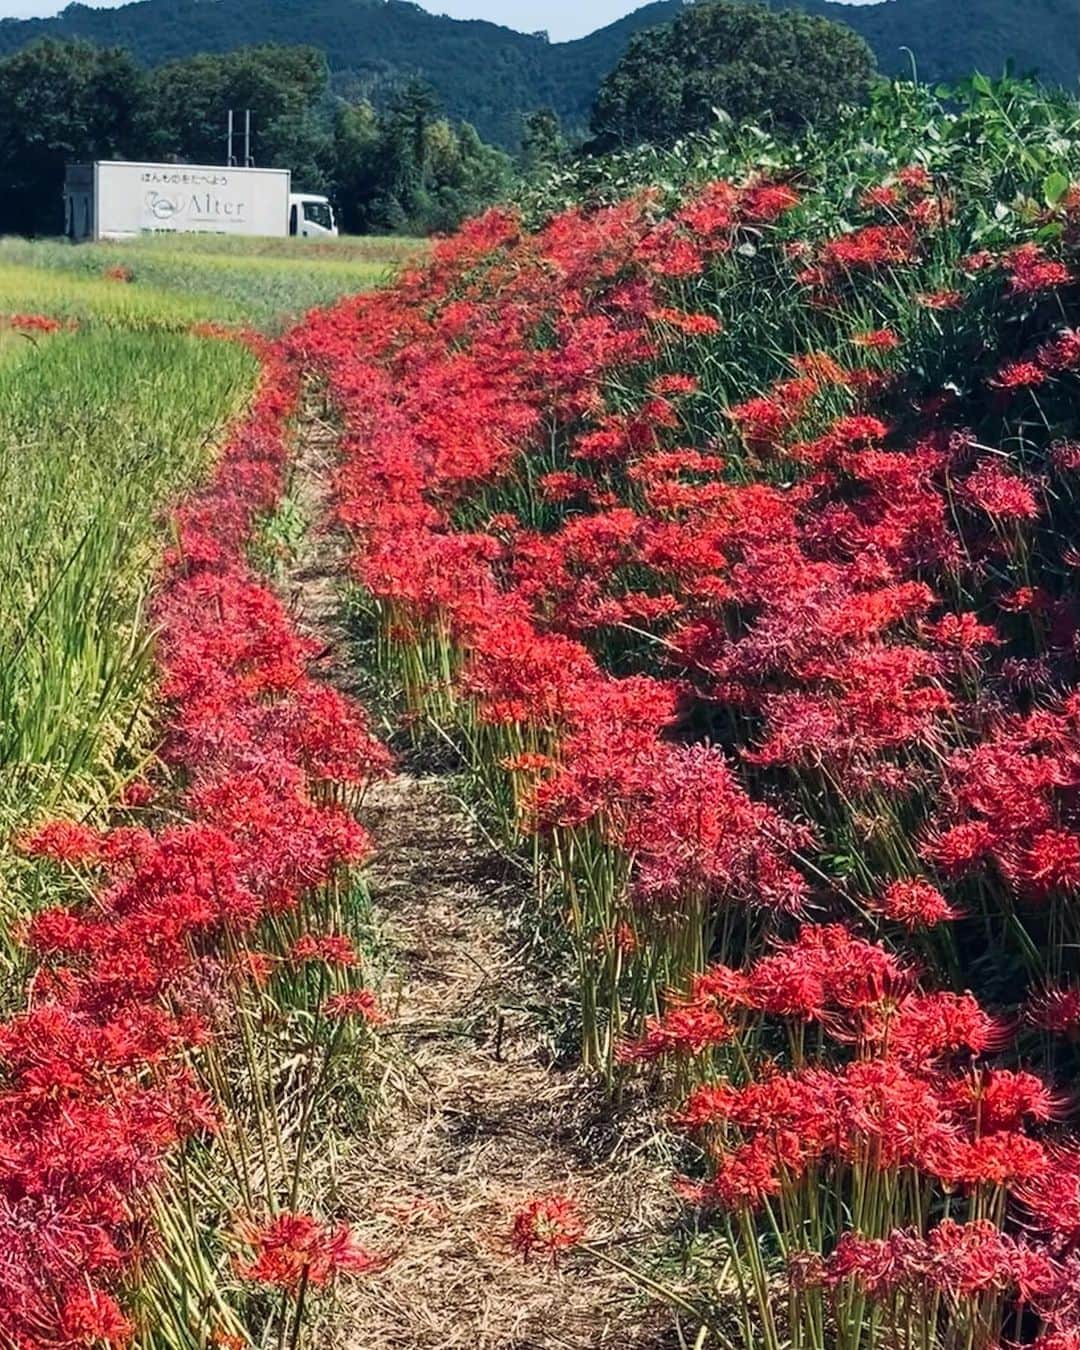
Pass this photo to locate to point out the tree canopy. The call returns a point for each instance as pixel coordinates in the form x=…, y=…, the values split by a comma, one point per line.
x=409, y=169
x=60, y=102
x=745, y=59
x=490, y=76
x=187, y=101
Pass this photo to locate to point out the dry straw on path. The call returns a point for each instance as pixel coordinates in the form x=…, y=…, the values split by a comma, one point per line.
x=478, y=1117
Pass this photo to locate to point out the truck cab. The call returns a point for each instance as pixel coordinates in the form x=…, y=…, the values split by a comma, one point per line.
x=311, y=216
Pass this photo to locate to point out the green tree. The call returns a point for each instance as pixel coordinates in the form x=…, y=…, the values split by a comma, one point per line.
x=465, y=176
x=189, y=102
x=744, y=58
x=357, y=143
x=405, y=138
x=61, y=102
x=409, y=170
x=543, y=145
x=304, y=143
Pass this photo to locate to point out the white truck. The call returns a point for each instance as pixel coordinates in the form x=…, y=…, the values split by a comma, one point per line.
x=119, y=199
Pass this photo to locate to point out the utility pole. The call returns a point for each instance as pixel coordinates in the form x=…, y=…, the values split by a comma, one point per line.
x=232, y=134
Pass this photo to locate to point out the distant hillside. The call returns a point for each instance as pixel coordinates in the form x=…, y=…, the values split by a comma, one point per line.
x=489, y=75
x=951, y=38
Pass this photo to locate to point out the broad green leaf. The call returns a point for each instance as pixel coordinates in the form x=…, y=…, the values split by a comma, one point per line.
x=1055, y=187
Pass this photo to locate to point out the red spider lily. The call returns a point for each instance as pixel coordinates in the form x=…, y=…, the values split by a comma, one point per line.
x=962, y=633
x=1003, y=1099
x=1062, y=352
x=872, y=246
x=979, y=261
x=877, y=339
x=689, y=1029
x=1005, y=1158
x=868, y=605
x=291, y=1251
x=358, y=1003
x=827, y=967
x=551, y=1223
x=931, y=213
x=926, y=1027
x=1058, y=1340
x=1052, y=862
x=745, y=1178
x=883, y=195
x=915, y=904
x=94, y=1318
x=33, y=323
x=1000, y=494
x=693, y=325
x=940, y=300
x=1004, y=799
x=137, y=794
x=666, y=253
x=822, y=369
x=915, y=178
x=331, y=949
x=767, y=202
x=763, y=419
x=960, y=1260
x=1056, y=1008
x=713, y=211
x=674, y=385
x=1031, y=271
x=564, y=486
x=63, y=841
x=1052, y=1199
x=1018, y=375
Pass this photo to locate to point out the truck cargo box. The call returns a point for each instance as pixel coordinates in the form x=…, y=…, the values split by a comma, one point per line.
x=119, y=199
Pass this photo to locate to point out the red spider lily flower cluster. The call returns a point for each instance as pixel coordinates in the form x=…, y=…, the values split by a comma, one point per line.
x=957, y=1261
x=436, y=408
x=291, y=1251
x=899, y=1093
x=752, y=654
x=96, y=1091
x=1030, y=271
x=34, y=323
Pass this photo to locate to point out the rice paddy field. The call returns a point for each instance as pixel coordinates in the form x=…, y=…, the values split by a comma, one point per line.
x=173, y=281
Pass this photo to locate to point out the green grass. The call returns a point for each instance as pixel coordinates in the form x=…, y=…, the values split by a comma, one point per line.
x=179, y=279
x=92, y=301
x=97, y=430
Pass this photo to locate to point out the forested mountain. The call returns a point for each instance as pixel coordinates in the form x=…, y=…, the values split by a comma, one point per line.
x=489, y=75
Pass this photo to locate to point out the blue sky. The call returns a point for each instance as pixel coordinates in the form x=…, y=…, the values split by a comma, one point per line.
x=562, y=18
